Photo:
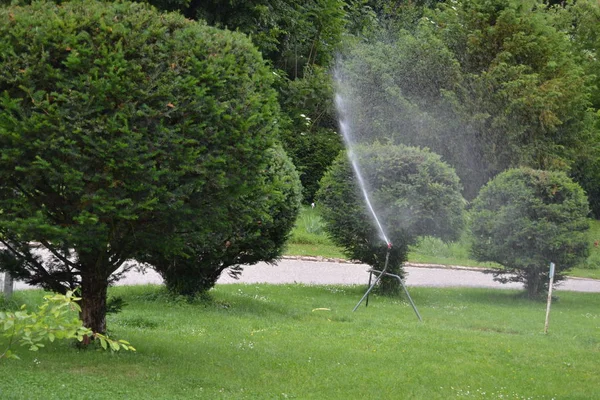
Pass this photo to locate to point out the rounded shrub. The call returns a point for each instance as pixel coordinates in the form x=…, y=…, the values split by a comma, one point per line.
x=264, y=220
x=412, y=191
x=524, y=219
x=121, y=128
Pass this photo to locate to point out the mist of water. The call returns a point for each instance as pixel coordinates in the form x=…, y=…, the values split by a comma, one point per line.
x=344, y=123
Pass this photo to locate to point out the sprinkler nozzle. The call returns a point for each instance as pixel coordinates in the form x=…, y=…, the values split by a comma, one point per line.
x=389, y=246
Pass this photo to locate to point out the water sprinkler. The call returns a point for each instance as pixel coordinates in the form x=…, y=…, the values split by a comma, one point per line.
x=347, y=135
x=381, y=274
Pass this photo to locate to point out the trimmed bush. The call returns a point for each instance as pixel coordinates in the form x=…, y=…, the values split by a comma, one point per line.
x=121, y=127
x=524, y=219
x=264, y=219
x=413, y=192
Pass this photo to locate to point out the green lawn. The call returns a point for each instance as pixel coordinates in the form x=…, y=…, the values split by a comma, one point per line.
x=309, y=239
x=272, y=342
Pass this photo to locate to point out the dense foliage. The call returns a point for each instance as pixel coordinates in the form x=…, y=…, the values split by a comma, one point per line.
x=311, y=139
x=486, y=84
x=413, y=192
x=118, y=127
x=581, y=21
x=299, y=39
x=263, y=221
x=524, y=219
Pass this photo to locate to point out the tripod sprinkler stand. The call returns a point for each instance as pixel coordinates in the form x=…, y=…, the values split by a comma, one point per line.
x=379, y=275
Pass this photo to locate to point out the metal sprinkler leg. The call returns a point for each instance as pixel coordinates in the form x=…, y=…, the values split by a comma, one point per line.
x=387, y=258
x=408, y=295
x=370, y=278
x=382, y=273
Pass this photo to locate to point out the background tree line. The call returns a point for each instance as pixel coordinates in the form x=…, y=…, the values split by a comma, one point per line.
x=489, y=85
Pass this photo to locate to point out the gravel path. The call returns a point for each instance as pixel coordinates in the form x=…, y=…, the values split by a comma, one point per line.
x=340, y=273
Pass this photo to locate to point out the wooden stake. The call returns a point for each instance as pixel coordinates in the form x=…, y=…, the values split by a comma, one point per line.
x=549, y=297
x=8, y=285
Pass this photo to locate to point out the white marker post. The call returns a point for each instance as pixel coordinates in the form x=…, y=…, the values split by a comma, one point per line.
x=7, y=286
x=549, y=297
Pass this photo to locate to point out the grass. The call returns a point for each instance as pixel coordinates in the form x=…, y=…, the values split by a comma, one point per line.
x=277, y=341
x=309, y=239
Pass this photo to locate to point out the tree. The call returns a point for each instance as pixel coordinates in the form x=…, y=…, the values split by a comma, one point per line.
x=312, y=139
x=412, y=191
x=486, y=84
x=263, y=219
x=291, y=34
x=525, y=96
x=580, y=21
x=524, y=219
x=118, y=127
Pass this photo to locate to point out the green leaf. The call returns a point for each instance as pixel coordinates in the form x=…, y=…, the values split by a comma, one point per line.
x=8, y=324
x=114, y=345
x=9, y=354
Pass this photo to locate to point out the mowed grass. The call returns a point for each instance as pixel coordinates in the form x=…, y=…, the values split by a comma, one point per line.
x=310, y=239
x=304, y=342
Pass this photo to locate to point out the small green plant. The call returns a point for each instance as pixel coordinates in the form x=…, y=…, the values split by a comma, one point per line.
x=114, y=305
x=434, y=247
x=56, y=318
x=313, y=224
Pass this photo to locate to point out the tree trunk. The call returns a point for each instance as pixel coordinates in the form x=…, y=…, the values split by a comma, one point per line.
x=534, y=284
x=93, y=302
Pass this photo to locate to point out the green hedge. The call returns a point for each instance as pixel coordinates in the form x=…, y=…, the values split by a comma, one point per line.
x=413, y=192
x=524, y=219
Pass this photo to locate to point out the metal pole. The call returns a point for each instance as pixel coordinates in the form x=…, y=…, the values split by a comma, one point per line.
x=369, y=290
x=379, y=276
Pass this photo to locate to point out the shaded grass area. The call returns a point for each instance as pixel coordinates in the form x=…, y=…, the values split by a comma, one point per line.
x=293, y=341
x=309, y=239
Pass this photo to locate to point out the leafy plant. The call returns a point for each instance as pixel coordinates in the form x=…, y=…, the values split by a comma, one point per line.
x=312, y=224
x=114, y=305
x=56, y=318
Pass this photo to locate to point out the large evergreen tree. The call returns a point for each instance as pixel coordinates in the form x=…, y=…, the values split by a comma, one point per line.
x=118, y=127
x=581, y=22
